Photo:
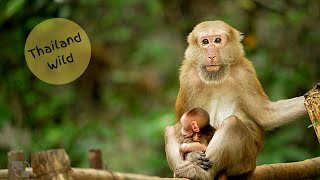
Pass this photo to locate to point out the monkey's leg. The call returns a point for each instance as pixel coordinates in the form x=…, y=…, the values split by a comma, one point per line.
x=172, y=146
x=233, y=148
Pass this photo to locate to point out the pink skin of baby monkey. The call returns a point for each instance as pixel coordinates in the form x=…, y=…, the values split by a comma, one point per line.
x=191, y=127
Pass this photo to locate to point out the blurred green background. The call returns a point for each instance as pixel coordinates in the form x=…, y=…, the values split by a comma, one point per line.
x=126, y=96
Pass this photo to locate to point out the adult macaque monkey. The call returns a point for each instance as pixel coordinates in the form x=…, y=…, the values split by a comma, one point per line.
x=216, y=76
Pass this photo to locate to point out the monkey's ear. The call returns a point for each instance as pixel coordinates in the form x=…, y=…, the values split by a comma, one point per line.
x=194, y=126
x=191, y=39
x=241, y=35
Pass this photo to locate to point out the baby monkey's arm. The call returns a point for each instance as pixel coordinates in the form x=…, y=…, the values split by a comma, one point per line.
x=190, y=147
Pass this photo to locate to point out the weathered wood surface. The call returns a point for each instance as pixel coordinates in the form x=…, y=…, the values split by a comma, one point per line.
x=95, y=174
x=312, y=103
x=51, y=164
x=16, y=165
x=307, y=169
x=95, y=159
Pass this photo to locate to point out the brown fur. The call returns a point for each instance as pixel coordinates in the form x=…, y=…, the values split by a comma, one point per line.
x=236, y=95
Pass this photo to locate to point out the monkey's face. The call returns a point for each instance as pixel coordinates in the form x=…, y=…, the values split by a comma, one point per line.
x=212, y=67
x=211, y=45
x=214, y=45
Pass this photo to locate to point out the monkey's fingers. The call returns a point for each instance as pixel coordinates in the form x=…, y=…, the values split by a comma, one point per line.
x=204, y=162
x=205, y=165
x=202, y=155
x=195, y=155
x=199, y=158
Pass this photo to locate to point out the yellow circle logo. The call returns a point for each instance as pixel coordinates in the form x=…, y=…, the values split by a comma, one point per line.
x=57, y=51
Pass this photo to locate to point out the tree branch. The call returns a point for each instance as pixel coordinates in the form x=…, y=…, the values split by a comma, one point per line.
x=307, y=169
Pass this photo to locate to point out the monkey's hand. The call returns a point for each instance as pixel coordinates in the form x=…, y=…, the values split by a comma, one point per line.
x=188, y=169
x=199, y=158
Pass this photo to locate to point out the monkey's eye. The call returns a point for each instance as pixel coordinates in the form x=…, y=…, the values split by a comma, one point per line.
x=205, y=41
x=217, y=40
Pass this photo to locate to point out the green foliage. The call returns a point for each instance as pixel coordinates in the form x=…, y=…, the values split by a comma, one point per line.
x=281, y=146
x=123, y=101
x=13, y=7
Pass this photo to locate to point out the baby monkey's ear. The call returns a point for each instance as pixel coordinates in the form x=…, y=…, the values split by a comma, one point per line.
x=194, y=126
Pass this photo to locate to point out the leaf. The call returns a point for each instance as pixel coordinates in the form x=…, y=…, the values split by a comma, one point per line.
x=13, y=7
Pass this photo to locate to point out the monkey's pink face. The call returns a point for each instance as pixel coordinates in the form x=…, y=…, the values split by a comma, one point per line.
x=213, y=66
x=186, y=132
x=186, y=129
x=211, y=44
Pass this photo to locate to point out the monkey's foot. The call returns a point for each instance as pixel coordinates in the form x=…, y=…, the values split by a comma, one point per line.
x=190, y=170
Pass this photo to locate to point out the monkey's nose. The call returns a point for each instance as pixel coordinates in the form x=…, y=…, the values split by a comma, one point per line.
x=211, y=57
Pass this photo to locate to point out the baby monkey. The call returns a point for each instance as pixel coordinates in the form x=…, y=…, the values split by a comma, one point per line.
x=197, y=131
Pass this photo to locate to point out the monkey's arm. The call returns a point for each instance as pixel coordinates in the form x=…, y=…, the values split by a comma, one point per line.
x=194, y=146
x=172, y=146
x=269, y=114
x=284, y=111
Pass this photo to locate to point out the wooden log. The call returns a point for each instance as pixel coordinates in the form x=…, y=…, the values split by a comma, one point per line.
x=51, y=164
x=4, y=174
x=95, y=159
x=307, y=169
x=312, y=103
x=17, y=165
x=93, y=174
x=55, y=164
x=84, y=174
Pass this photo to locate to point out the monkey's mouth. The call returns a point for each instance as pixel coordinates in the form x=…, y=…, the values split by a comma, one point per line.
x=213, y=67
x=213, y=74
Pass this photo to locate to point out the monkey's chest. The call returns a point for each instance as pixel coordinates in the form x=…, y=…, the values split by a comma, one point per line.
x=220, y=108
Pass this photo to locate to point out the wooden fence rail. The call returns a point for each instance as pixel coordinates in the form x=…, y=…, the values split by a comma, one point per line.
x=55, y=164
